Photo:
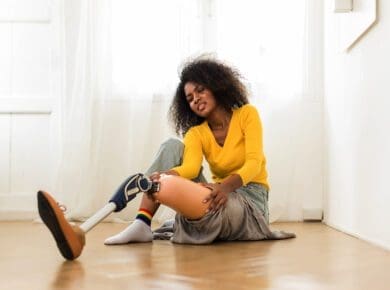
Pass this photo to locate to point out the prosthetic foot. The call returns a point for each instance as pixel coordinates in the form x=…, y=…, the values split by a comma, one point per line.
x=71, y=239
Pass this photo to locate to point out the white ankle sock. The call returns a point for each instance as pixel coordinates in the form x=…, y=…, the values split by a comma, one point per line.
x=138, y=231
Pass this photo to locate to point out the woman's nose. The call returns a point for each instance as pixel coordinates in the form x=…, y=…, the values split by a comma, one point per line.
x=196, y=99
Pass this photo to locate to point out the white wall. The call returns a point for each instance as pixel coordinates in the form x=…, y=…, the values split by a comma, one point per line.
x=357, y=130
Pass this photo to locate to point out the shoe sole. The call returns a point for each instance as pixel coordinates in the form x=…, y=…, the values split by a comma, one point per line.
x=59, y=227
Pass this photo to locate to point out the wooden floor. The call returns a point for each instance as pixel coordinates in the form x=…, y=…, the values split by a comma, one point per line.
x=319, y=258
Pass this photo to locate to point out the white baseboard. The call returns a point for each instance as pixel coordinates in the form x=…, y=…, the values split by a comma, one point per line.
x=312, y=214
x=370, y=240
x=17, y=215
x=18, y=206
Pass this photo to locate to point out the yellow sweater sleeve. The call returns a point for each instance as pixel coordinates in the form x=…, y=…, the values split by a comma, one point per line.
x=192, y=156
x=253, y=135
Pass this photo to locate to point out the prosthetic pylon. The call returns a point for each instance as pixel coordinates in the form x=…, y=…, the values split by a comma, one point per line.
x=70, y=239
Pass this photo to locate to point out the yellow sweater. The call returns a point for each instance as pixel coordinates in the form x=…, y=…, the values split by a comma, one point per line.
x=242, y=152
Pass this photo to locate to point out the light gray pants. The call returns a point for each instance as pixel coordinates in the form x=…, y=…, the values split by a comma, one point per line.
x=245, y=216
x=170, y=155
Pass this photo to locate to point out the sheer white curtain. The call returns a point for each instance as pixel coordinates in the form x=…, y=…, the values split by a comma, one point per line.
x=122, y=63
x=150, y=39
x=266, y=42
x=87, y=71
x=120, y=71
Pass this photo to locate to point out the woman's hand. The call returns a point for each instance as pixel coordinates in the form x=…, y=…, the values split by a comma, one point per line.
x=218, y=196
x=220, y=191
x=155, y=176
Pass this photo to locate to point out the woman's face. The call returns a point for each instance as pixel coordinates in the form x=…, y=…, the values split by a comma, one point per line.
x=201, y=100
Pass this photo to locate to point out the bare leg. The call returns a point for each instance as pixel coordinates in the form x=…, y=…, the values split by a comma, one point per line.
x=149, y=204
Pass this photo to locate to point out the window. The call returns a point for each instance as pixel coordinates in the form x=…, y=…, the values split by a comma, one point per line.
x=263, y=39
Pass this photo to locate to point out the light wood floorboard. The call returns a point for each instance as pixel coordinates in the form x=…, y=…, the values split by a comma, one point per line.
x=319, y=258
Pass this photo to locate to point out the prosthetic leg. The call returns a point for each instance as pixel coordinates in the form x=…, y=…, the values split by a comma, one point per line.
x=182, y=195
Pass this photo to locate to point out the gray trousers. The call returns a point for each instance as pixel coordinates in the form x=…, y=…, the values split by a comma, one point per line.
x=245, y=216
x=170, y=155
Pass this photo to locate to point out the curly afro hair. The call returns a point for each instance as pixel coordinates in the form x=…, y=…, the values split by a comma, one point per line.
x=223, y=81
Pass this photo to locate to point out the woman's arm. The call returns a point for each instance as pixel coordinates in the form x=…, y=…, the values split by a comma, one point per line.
x=192, y=156
x=253, y=134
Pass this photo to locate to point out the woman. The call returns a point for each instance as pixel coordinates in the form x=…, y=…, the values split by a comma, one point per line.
x=210, y=109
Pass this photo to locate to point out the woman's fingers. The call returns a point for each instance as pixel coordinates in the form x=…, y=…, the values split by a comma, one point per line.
x=155, y=176
x=208, y=198
x=212, y=194
x=218, y=200
x=221, y=203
